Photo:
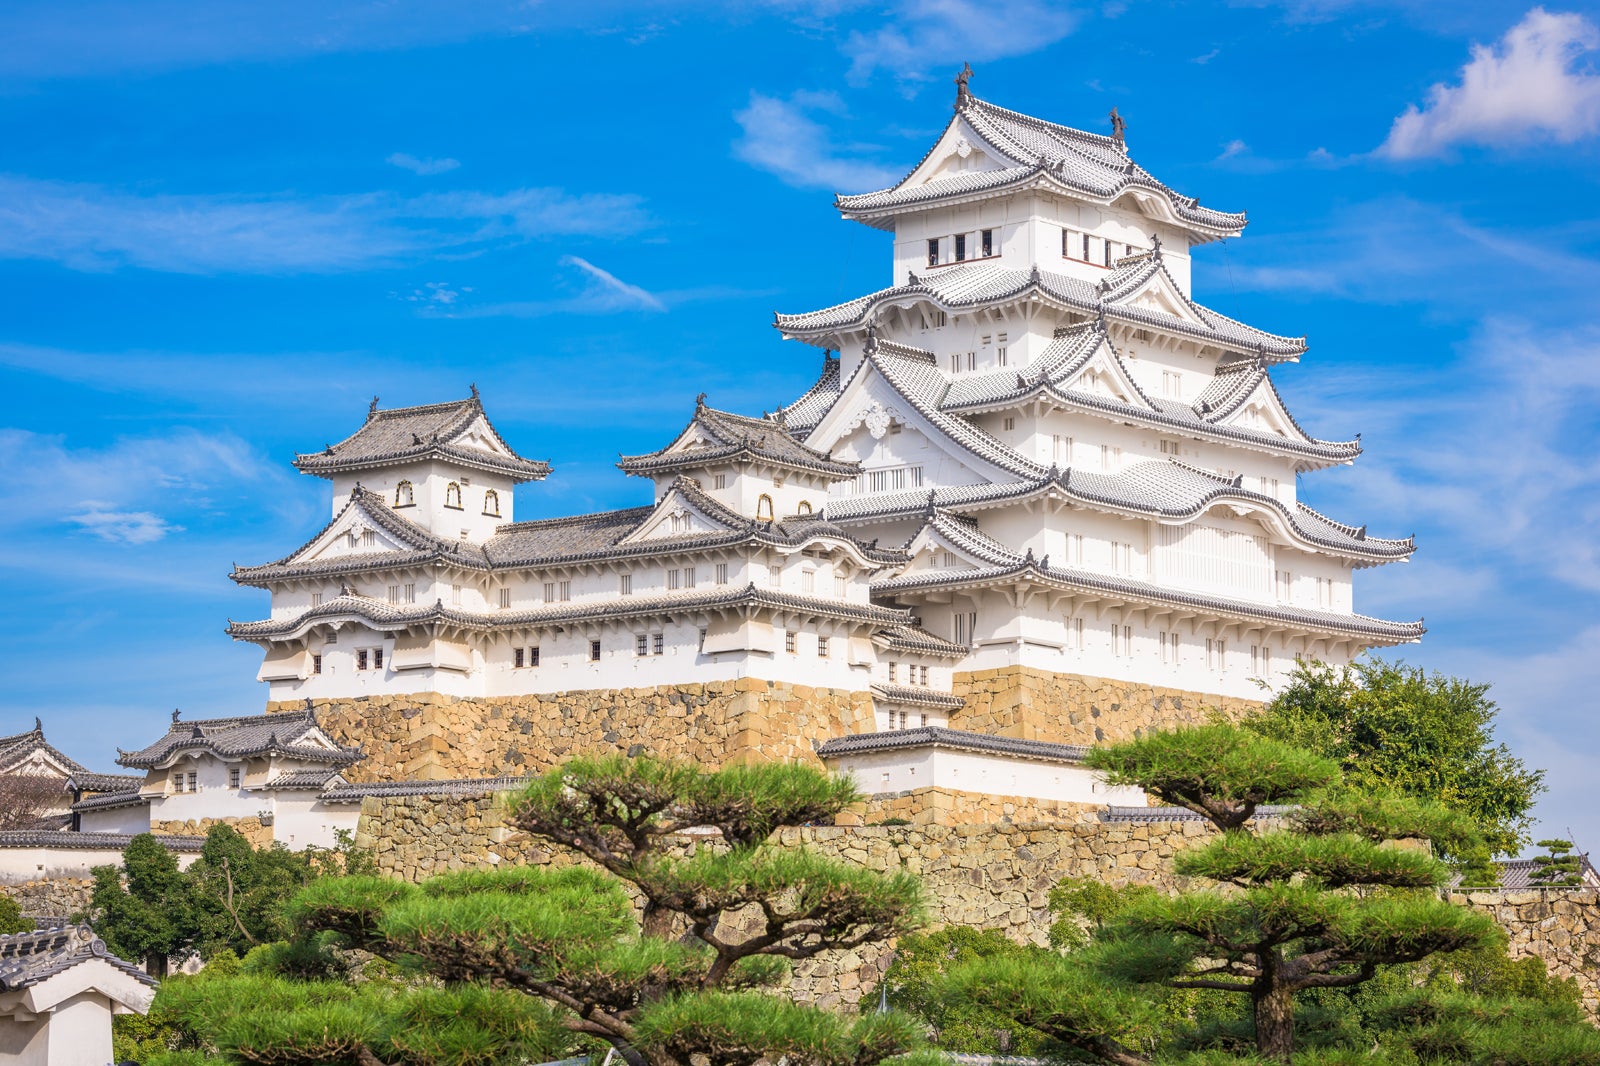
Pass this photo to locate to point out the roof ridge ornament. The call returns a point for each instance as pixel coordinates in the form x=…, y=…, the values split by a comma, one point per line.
x=963, y=94
x=700, y=402
x=175, y=714
x=1119, y=131
x=372, y=409
x=474, y=388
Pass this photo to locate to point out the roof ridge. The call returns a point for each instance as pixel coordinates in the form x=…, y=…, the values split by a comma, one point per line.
x=541, y=522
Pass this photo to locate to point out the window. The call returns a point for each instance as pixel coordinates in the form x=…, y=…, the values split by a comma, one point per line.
x=1110, y=458
x=674, y=578
x=1283, y=582
x=1260, y=660
x=1172, y=384
x=332, y=637
x=316, y=599
x=369, y=539
x=1216, y=654
x=625, y=584
x=924, y=676
x=1085, y=255
x=394, y=593
x=519, y=658
x=466, y=534
x=452, y=496
x=404, y=495
x=1000, y=352
x=1008, y=424
x=1061, y=449
x=316, y=664
x=1074, y=549
x=961, y=247
x=1121, y=640
x=688, y=577
x=986, y=242
x=1121, y=557
x=764, y=508
x=505, y=599
x=533, y=655
x=889, y=479
x=965, y=624
x=841, y=586
x=177, y=781
x=1075, y=634
x=658, y=644
x=594, y=651
x=377, y=658
x=720, y=481
x=1169, y=648
x=641, y=644
x=233, y=777
x=822, y=647
x=891, y=672
x=722, y=573
x=361, y=658
x=194, y=783
x=455, y=595
x=1325, y=592
x=411, y=594
x=938, y=319
x=788, y=642
x=491, y=504
x=1169, y=447
x=566, y=591
x=808, y=581
x=933, y=251
x=804, y=508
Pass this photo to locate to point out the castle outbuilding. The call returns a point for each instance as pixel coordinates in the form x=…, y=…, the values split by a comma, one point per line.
x=1038, y=498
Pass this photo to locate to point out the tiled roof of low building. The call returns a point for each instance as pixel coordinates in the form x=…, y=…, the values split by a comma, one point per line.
x=908, y=638
x=307, y=779
x=936, y=736
x=412, y=434
x=912, y=696
x=1516, y=875
x=724, y=437
x=804, y=414
x=28, y=958
x=107, y=783
x=66, y=838
x=244, y=737
x=1179, y=814
x=112, y=800
x=476, y=786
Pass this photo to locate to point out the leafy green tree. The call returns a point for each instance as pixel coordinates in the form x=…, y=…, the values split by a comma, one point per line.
x=11, y=919
x=238, y=891
x=153, y=918
x=1558, y=867
x=659, y=951
x=1396, y=728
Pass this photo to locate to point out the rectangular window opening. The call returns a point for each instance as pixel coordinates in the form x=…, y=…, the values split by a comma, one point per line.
x=594, y=651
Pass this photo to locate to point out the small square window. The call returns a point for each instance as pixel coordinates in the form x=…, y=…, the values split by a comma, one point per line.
x=720, y=481
x=233, y=777
x=594, y=651
x=641, y=644
x=505, y=599
x=361, y=658
x=722, y=573
x=316, y=599
x=822, y=647
x=316, y=664
x=518, y=657
x=788, y=643
x=533, y=655
x=625, y=584
x=658, y=644
x=377, y=658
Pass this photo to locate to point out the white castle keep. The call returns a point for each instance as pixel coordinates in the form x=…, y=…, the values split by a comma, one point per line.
x=1032, y=451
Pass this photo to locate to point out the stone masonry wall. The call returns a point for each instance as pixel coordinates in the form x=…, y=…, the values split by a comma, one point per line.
x=431, y=736
x=995, y=876
x=1017, y=701
x=943, y=806
x=55, y=897
x=250, y=827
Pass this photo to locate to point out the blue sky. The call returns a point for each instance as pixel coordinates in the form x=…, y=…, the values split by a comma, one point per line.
x=225, y=226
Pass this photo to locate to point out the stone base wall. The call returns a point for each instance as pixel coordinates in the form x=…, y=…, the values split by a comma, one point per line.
x=1019, y=701
x=56, y=897
x=943, y=806
x=259, y=836
x=1559, y=925
x=431, y=736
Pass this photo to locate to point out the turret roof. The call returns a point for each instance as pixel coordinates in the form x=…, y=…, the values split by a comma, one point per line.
x=969, y=286
x=804, y=414
x=411, y=434
x=1073, y=162
x=714, y=436
x=295, y=735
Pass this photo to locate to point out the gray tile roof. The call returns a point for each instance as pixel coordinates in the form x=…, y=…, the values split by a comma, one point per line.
x=915, y=639
x=19, y=747
x=1516, y=875
x=476, y=786
x=973, y=285
x=410, y=434
x=107, y=783
x=64, y=838
x=913, y=696
x=1028, y=569
x=1178, y=814
x=28, y=958
x=112, y=800
x=737, y=438
x=803, y=415
x=381, y=615
x=1083, y=163
x=935, y=736
x=241, y=738
x=307, y=779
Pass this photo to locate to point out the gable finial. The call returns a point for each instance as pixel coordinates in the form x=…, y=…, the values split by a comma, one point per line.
x=963, y=94
x=1155, y=245
x=932, y=510
x=174, y=714
x=1119, y=130
x=38, y=726
x=700, y=401
x=474, y=388
x=372, y=408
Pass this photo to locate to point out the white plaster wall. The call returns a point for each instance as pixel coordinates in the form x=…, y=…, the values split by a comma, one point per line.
x=924, y=767
x=430, y=481
x=80, y=1031
x=134, y=819
x=19, y=864
x=302, y=821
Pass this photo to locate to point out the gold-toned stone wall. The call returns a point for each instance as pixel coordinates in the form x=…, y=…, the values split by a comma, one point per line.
x=1559, y=925
x=249, y=827
x=1019, y=701
x=944, y=806
x=53, y=897
x=430, y=736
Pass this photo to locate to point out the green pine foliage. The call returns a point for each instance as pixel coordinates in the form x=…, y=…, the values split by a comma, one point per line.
x=11, y=919
x=1397, y=728
x=666, y=954
x=1557, y=867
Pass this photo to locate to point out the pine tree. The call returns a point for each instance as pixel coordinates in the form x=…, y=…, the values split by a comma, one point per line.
x=1558, y=867
x=681, y=977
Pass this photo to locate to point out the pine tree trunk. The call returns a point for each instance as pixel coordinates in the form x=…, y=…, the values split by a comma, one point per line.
x=1274, y=1008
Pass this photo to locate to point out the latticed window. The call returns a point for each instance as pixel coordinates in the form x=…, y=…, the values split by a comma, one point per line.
x=641, y=644
x=594, y=651
x=658, y=644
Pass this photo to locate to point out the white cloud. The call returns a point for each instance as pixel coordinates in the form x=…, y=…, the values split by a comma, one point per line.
x=125, y=527
x=782, y=138
x=921, y=35
x=424, y=167
x=593, y=291
x=127, y=492
x=92, y=227
x=1528, y=88
x=608, y=292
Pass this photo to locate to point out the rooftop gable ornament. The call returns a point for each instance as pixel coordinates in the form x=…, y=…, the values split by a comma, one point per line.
x=1119, y=129
x=963, y=94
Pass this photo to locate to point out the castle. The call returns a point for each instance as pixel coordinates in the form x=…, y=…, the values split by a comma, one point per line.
x=1038, y=498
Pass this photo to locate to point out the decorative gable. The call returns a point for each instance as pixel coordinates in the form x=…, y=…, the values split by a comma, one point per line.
x=1160, y=294
x=676, y=515
x=1263, y=412
x=480, y=436
x=1103, y=374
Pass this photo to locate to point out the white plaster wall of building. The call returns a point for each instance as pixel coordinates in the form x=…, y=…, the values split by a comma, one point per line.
x=969, y=771
x=131, y=818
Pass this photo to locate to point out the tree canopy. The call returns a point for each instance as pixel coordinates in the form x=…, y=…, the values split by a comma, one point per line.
x=1393, y=727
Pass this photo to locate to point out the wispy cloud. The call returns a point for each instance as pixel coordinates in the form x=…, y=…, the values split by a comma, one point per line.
x=424, y=167
x=781, y=137
x=130, y=492
x=590, y=290
x=1526, y=89
x=607, y=292
x=96, y=228
x=920, y=36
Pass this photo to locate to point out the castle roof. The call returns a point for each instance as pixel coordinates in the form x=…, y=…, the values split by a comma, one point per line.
x=1033, y=153
x=458, y=432
x=29, y=958
x=296, y=735
x=971, y=286
x=714, y=436
x=955, y=739
x=804, y=414
x=24, y=747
